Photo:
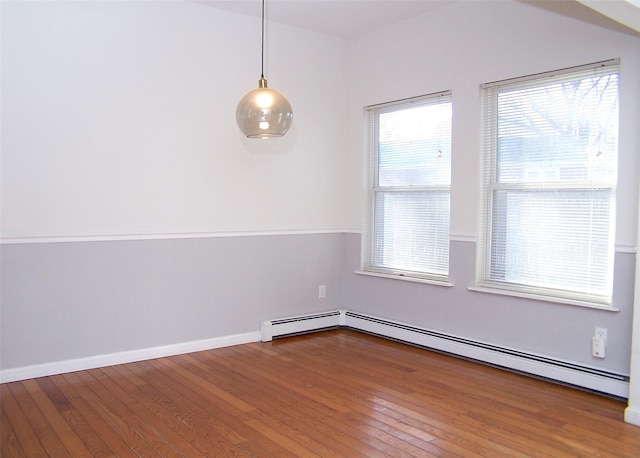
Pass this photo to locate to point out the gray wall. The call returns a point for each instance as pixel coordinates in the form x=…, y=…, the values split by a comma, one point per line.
x=62, y=301
x=114, y=122
x=118, y=127
x=480, y=42
x=552, y=329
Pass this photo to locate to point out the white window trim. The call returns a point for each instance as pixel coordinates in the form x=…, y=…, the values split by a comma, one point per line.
x=403, y=277
x=489, y=288
x=506, y=289
x=372, y=188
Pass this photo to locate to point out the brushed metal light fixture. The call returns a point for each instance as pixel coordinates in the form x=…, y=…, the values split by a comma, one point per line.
x=264, y=112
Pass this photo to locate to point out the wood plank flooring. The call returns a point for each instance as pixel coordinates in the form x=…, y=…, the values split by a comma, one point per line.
x=331, y=394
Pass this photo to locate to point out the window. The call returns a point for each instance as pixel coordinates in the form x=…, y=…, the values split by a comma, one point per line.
x=407, y=230
x=550, y=159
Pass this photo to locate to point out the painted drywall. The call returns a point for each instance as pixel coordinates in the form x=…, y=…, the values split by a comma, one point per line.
x=459, y=47
x=126, y=182
x=119, y=118
x=632, y=413
x=555, y=330
x=66, y=301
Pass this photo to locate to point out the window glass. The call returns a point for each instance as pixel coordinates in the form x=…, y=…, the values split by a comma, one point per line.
x=549, y=184
x=408, y=211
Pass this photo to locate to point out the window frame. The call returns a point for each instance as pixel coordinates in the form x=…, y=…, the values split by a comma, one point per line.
x=369, y=236
x=489, y=184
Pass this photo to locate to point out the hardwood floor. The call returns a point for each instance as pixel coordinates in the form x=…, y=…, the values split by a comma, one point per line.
x=332, y=394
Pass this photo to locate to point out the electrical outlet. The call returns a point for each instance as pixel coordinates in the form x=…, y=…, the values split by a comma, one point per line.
x=322, y=292
x=601, y=333
x=598, y=347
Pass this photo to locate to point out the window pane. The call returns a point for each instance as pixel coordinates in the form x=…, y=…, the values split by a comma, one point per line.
x=550, y=169
x=412, y=231
x=414, y=146
x=407, y=230
x=563, y=132
x=549, y=239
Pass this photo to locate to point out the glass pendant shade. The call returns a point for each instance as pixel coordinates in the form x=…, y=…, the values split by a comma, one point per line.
x=264, y=112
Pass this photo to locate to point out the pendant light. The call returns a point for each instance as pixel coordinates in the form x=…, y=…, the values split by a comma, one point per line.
x=264, y=112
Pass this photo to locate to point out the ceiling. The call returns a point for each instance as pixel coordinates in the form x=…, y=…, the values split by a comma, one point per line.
x=351, y=18
x=338, y=18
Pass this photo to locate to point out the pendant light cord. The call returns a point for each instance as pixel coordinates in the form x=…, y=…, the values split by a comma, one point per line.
x=262, y=68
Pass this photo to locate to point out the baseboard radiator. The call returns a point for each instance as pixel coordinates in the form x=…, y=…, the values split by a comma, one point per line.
x=271, y=329
x=538, y=365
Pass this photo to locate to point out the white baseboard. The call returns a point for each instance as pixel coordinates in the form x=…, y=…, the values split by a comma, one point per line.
x=92, y=362
x=534, y=364
x=632, y=415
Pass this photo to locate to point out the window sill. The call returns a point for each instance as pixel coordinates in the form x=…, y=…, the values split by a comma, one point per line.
x=405, y=278
x=539, y=297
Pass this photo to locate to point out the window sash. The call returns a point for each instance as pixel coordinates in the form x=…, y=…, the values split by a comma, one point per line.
x=558, y=276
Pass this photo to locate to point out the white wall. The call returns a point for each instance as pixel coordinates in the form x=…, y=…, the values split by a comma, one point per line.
x=463, y=45
x=632, y=413
x=119, y=118
x=459, y=47
x=126, y=182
